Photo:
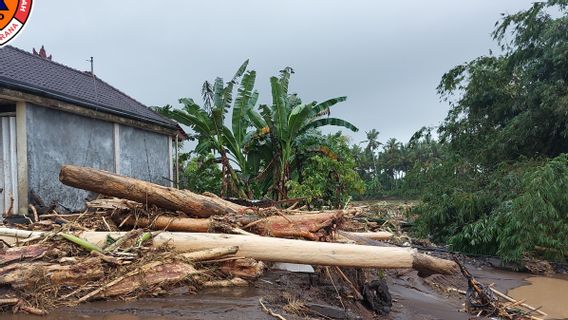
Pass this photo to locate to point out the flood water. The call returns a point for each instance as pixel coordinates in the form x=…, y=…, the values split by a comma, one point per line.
x=549, y=292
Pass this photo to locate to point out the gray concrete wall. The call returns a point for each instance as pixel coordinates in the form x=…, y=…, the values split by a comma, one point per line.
x=144, y=155
x=56, y=138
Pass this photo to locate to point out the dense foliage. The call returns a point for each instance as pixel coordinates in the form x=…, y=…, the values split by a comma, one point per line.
x=201, y=174
x=493, y=182
x=258, y=151
x=500, y=186
x=396, y=170
x=325, y=174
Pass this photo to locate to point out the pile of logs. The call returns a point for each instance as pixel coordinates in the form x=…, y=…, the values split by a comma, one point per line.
x=155, y=237
x=271, y=223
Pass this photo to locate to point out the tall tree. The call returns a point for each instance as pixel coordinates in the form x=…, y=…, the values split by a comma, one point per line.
x=209, y=124
x=286, y=120
x=372, y=145
x=501, y=187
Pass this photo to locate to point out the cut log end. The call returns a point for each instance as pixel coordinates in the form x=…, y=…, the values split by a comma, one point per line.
x=427, y=265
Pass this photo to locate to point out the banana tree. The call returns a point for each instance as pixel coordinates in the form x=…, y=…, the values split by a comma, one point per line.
x=286, y=120
x=208, y=122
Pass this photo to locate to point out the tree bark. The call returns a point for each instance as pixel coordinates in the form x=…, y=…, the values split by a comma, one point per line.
x=307, y=226
x=111, y=184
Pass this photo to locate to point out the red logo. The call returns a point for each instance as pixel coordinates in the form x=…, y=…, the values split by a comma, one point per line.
x=13, y=15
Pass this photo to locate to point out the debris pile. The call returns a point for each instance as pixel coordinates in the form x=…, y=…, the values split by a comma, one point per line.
x=485, y=300
x=144, y=239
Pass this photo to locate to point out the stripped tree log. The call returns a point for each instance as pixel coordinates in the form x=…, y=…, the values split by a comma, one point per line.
x=377, y=235
x=235, y=282
x=167, y=223
x=298, y=251
x=209, y=254
x=111, y=184
x=282, y=250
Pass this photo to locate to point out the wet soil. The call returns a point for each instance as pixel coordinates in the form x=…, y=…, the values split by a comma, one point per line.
x=413, y=298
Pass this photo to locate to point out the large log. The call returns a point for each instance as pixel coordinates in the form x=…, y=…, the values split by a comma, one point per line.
x=307, y=226
x=112, y=184
x=283, y=250
x=299, y=251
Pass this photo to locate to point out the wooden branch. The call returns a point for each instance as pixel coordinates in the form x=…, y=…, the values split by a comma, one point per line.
x=209, y=254
x=235, y=282
x=506, y=297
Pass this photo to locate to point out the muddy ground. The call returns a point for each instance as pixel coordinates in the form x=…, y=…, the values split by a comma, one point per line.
x=413, y=298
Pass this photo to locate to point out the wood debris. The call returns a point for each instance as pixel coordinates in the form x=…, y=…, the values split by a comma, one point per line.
x=147, y=239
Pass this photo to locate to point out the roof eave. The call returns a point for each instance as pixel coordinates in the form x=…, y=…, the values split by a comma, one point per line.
x=11, y=84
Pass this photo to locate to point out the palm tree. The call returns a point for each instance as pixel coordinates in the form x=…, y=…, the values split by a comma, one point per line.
x=372, y=144
x=286, y=120
x=372, y=140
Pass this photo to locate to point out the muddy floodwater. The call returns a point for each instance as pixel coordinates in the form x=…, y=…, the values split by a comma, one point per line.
x=549, y=292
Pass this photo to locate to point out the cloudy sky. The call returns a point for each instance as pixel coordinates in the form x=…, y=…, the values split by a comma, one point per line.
x=386, y=56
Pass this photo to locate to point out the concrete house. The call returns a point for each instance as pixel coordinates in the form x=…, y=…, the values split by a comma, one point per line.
x=51, y=115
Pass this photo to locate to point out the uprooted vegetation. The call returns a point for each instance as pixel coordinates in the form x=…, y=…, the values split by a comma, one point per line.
x=121, y=249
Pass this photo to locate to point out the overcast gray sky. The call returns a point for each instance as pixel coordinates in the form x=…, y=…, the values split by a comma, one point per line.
x=386, y=56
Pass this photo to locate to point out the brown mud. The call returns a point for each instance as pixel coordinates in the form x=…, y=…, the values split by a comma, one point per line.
x=413, y=298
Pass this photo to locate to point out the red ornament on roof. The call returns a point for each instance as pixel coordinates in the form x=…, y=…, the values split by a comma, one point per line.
x=42, y=53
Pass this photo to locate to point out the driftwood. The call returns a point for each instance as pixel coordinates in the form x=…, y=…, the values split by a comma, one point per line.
x=146, y=193
x=307, y=226
x=21, y=253
x=235, y=282
x=112, y=184
x=299, y=251
x=284, y=250
x=377, y=235
x=245, y=268
x=149, y=276
x=27, y=274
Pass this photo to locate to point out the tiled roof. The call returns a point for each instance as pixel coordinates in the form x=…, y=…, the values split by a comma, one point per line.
x=24, y=71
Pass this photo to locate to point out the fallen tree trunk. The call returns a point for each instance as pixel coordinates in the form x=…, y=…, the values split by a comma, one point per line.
x=112, y=184
x=284, y=250
x=307, y=226
x=299, y=251
x=168, y=223
x=146, y=193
